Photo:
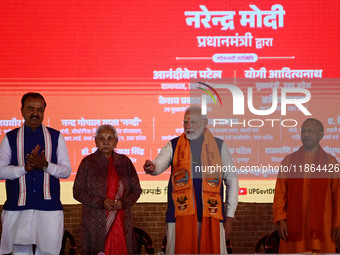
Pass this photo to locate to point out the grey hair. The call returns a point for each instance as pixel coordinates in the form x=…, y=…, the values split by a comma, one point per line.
x=194, y=108
x=101, y=127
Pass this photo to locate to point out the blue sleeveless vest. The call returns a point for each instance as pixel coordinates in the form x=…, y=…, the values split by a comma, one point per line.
x=34, y=179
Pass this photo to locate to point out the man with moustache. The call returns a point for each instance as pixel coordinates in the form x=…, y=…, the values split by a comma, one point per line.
x=306, y=204
x=32, y=159
x=197, y=222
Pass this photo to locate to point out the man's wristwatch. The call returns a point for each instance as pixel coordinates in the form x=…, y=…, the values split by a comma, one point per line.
x=45, y=167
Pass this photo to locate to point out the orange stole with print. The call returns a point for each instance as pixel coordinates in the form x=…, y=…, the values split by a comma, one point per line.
x=184, y=198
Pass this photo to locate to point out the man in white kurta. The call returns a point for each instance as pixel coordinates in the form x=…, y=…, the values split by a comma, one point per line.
x=32, y=159
x=194, y=127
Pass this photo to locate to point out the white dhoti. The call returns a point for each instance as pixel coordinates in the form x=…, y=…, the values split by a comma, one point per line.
x=27, y=227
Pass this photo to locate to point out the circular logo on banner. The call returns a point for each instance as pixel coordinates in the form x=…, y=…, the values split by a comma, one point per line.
x=181, y=177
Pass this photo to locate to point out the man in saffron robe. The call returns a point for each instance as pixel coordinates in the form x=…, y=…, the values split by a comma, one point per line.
x=197, y=221
x=32, y=159
x=307, y=202
x=108, y=186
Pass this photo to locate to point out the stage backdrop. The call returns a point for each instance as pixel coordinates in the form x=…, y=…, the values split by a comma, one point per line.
x=134, y=65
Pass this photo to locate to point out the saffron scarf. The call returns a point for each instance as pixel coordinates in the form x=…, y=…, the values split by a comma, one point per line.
x=21, y=162
x=184, y=198
x=295, y=197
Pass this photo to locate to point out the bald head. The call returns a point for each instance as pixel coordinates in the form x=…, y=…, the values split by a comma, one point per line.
x=312, y=132
x=314, y=122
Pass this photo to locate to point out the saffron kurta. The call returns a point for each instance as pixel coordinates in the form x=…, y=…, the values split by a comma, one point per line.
x=330, y=201
x=90, y=188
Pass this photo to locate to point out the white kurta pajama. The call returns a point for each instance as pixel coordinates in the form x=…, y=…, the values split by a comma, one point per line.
x=22, y=228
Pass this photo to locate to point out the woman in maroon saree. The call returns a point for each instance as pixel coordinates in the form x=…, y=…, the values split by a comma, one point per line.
x=108, y=186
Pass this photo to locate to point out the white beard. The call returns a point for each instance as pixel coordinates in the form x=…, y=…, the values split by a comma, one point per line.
x=196, y=134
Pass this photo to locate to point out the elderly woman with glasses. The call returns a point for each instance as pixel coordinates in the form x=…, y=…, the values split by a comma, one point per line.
x=108, y=186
